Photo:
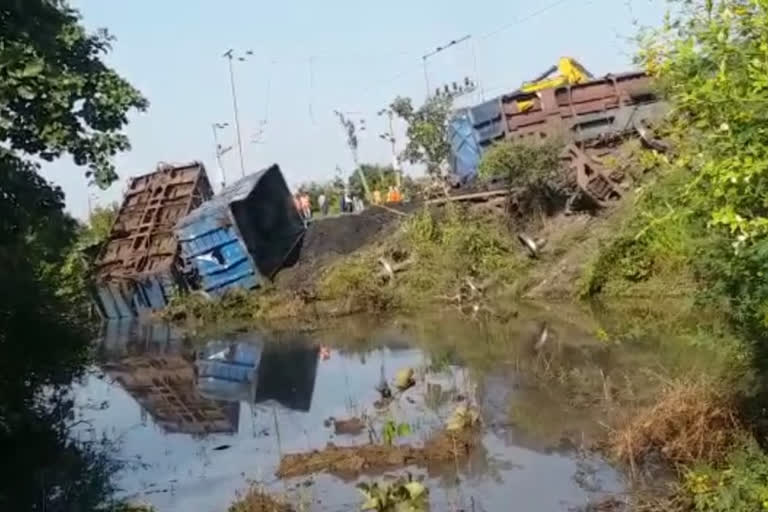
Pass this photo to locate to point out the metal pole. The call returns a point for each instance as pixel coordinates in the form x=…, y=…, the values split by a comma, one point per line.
x=395, y=164
x=218, y=156
x=426, y=75
x=228, y=55
x=477, y=72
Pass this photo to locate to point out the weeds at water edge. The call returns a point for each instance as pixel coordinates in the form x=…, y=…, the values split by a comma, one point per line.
x=257, y=500
x=692, y=421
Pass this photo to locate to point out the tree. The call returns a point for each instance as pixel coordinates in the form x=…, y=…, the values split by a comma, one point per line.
x=352, y=143
x=427, y=131
x=56, y=95
x=378, y=177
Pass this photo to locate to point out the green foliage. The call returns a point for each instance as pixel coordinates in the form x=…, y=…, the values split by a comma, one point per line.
x=712, y=62
x=741, y=485
x=445, y=248
x=56, y=95
x=73, y=275
x=708, y=218
x=353, y=280
x=476, y=245
x=427, y=131
x=399, y=496
x=392, y=431
x=525, y=164
x=333, y=190
x=378, y=177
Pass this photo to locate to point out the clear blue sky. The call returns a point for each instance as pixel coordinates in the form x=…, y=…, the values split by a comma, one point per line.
x=313, y=57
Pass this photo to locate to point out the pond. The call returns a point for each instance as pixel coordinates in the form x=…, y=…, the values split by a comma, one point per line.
x=196, y=422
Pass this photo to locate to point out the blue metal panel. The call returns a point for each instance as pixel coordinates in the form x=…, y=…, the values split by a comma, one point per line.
x=121, y=300
x=487, y=121
x=151, y=293
x=212, y=246
x=464, y=147
x=108, y=307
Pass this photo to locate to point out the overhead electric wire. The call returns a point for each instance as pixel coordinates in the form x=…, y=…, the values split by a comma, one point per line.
x=483, y=36
x=525, y=18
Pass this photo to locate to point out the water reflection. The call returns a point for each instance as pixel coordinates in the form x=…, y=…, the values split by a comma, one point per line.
x=219, y=413
x=256, y=372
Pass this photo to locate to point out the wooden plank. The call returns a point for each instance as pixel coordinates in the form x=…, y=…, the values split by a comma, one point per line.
x=470, y=197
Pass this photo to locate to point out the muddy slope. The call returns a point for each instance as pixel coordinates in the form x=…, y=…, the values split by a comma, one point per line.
x=327, y=239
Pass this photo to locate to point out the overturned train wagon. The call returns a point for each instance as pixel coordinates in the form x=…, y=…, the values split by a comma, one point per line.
x=242, y=236
x=137, y=269
x=591, y=116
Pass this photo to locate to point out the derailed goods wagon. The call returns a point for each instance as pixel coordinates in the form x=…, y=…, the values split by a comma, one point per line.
x=241, y=237
x=137, y=269
x=592, y=116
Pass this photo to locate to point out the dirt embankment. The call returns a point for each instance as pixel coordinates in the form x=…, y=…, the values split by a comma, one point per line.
x=350, y=461
x=329, y=238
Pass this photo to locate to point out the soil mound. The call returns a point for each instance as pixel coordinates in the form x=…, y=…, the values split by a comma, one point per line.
x=350, y=461
x=331, y=237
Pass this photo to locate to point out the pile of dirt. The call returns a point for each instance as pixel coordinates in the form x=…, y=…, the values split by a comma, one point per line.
x=331, y=237
x=350, y=461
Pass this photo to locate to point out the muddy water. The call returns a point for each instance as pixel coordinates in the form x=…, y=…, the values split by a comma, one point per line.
x=196, y=422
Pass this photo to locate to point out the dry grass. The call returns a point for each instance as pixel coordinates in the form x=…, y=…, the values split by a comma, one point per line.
x=256, y=500
x=692, y=421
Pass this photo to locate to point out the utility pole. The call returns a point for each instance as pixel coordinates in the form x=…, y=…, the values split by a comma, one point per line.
x=229, y=54
x=390, y=136
x=437, y=50
x=220, y=151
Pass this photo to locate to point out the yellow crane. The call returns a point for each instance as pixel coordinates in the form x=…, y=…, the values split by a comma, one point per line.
x=570, y=73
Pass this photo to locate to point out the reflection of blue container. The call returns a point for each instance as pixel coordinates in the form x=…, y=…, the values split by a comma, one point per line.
x=243, y=235
x=228, y=371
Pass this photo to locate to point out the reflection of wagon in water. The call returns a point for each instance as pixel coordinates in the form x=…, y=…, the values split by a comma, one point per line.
x=258, y=372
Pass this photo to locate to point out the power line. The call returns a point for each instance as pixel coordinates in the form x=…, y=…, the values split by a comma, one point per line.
x=518, y=21
x=484, y=36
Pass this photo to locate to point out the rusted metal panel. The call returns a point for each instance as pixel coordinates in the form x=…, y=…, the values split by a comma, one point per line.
x=142, y=253
x=555, y=111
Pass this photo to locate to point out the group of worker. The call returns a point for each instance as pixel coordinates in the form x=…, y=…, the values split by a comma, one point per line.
x=347, y=203
x=393, y=196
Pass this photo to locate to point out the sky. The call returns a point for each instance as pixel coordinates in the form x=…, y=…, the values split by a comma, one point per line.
x=310, y=58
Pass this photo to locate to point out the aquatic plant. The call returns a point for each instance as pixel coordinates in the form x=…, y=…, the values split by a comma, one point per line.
x=391, y=431
x=463, y=417
x=403, y=495
x=257, y=500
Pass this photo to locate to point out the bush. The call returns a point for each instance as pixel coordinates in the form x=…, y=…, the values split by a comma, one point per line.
x=691, y=422
x=738, y=485
x=445, y=247
x=523, y=163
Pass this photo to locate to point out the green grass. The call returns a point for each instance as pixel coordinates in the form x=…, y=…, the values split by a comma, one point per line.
x=444, y=248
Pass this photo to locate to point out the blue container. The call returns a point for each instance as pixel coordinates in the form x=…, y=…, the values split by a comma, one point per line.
x=465, y=149
x=124, y=298
x=487, y=121
x=243, y=235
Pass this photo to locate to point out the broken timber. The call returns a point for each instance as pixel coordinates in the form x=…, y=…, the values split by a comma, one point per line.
x=476, y=196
